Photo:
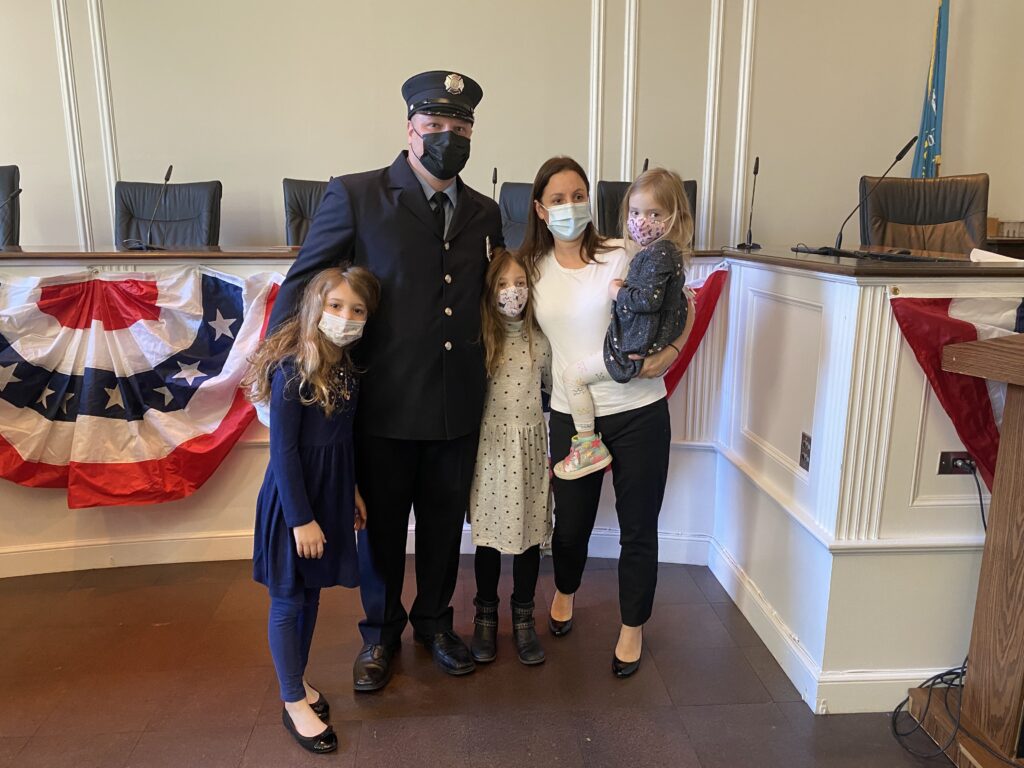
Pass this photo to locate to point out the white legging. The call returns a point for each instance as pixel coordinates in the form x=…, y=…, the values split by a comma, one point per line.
x=577, y=379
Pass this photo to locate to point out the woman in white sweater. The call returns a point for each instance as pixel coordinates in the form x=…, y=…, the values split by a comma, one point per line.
x=572, y=267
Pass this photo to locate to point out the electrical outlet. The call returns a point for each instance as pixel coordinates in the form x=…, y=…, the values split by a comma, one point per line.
x=805, y=451
x=948, y=467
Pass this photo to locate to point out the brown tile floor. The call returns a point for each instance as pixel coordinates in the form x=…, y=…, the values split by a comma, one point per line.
x=168, y=666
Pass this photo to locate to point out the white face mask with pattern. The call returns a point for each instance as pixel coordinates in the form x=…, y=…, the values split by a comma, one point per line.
x=512, y=300
x=339, y=330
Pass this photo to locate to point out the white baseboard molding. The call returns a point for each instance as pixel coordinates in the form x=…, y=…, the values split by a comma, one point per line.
x=691, y=548
x=824, y=691
x=80, y=555
x=785, y=646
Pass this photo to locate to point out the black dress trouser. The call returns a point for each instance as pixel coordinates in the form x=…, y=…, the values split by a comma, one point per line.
x=639, y=442
x=433, y=477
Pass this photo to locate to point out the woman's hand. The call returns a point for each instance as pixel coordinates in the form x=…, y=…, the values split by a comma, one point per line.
x=360, y=523
x=309, y=540
x=656, y=365
x=613, y=289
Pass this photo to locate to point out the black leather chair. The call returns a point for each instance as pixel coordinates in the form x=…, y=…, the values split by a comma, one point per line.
x=514, y=200
x=189, y=214
x=609, y=204
x=301, y=199
x=10, y=214
x=948, y=213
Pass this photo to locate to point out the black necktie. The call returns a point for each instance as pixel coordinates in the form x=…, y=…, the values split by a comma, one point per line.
x=437, y=203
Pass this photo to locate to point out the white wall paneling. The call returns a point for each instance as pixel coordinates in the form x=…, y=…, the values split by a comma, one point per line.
x=72, y=125
x=105, y=101
x=706, y=193
x=629, y=65
x=594, y=139
x=740, y=170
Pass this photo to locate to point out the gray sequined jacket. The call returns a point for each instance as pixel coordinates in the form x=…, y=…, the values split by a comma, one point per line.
x=649, y=311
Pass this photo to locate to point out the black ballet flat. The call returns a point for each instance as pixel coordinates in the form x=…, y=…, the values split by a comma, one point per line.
x=625, y=668
x=321, y=707
x=324, y=742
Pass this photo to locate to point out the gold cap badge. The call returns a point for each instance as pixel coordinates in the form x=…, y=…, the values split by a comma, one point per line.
x=453, y=84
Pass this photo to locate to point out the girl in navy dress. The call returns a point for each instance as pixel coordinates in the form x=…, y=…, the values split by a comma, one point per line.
x=309, y=503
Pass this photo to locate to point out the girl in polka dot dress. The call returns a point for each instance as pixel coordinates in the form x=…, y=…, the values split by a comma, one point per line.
x=508, y=506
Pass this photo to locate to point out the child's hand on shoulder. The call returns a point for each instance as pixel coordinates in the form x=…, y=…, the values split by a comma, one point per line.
x=614, y=287
x=309, y=540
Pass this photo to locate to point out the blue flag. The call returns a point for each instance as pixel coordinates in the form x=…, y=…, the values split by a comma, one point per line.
x=928, y=152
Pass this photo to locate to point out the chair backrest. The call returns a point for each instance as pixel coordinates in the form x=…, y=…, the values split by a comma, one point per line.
x=609, y=204
x=189, y=214
x=301, y=200
x=948, y=213
x=10, y=214
x=514, y=200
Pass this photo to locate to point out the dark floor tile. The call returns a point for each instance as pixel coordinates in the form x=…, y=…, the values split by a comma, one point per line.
x=214, y=698
x=128, y=577
x=851, y=741
x=228, y=644
x=209, y=748
x=684, y=626
x=771, y=674
x=62, y=651
x=243, y=600
x=736, y=623
x=43, y=583
x=676, y=586
x=203, y=573
x=271, y=746
x=10, y=746
x=713, y=591
x=653, y=738
x=162, y=646
x=422, y=741
x=743, y=736
x=59, y=749
x=528, y=739
x=709, y=676
x=27, y=702
x=590, y=683
x=120, y=702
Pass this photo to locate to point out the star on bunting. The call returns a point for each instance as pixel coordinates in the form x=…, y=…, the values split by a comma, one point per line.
x=114, y=396
x=222, y=326
x=188, y=372
x=7, y=375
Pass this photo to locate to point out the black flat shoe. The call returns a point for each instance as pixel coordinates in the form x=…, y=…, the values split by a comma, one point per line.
x=324, y=742
x=450, y=653
x=321, y=707
x=626, y=668
x=560, y=628
x=373, y=667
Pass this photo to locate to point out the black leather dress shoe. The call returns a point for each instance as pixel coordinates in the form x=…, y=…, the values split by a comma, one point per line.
x=324, y=742
x=373, y=667
x=626, y=668
x=321, y=707
x=450, y=653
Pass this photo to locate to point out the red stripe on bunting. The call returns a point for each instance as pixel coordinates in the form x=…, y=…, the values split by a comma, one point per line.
x=34, y=474
x=175, y=476
x=115, y=303
x=705, y=300
x=927, y=327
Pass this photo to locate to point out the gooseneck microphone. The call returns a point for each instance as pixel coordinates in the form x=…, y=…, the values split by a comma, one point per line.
x=494, y=184
x=647, y=161
x=750, y=245
x=835, y=250
x=10, y=197
x=146, y=245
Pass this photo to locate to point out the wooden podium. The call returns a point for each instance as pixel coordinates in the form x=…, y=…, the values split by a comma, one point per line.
x=993, y=695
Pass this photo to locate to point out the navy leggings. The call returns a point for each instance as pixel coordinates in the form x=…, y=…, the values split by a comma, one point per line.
x=290, y=630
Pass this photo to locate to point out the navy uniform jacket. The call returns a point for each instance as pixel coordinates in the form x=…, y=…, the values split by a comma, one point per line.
x=424, y=364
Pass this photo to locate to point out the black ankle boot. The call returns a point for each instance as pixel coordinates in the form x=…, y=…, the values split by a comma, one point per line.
x=524, y=633
x=484, y=647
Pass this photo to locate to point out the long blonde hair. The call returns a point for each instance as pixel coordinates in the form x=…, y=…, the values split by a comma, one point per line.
x=666, y=187
x=300, y=339
x=492, y=322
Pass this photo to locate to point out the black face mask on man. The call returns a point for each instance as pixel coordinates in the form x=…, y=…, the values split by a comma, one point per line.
x=445, y=153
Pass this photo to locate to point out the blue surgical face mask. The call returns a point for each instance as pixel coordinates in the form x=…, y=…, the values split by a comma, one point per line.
x=568, y=221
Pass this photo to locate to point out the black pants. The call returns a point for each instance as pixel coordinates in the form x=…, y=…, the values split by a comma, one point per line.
x=432, y=476
x=525, y=570
x=639, y=443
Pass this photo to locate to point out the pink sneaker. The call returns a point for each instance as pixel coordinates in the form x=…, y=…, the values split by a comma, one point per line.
x=586, y=455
